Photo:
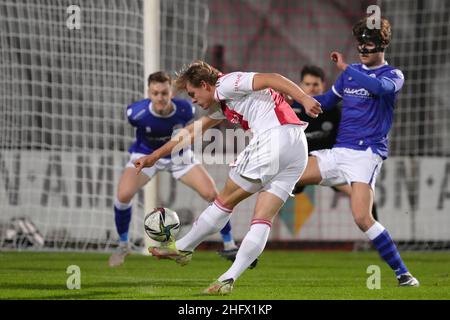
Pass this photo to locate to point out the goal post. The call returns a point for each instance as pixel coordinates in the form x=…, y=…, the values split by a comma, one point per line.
x=151, y=36
x=68, y=72
x=63, y=129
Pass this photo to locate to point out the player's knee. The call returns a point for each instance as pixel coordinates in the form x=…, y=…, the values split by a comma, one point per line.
x=225, y=201
x=262, y=214
x=124, y=197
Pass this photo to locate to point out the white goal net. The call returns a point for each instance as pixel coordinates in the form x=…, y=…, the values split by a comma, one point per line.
x=413, y=189
x=65, y=83
x=64, y=135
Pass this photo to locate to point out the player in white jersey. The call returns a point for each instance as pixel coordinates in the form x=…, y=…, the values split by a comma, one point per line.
x=271, y=164
x=155, y=120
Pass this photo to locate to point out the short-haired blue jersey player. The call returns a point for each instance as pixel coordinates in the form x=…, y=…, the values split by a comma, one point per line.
x=368, y=91
x=155, y=120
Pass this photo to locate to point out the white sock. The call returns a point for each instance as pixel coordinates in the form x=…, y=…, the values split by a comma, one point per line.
x=122, y=206
x=251, y=247
x=212, y=220
x=374, y=231
x=123, y=244
x=229, y=245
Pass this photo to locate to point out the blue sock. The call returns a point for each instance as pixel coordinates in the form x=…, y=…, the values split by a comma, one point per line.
x=386, y=248
x=226, y=233
x=122, y=214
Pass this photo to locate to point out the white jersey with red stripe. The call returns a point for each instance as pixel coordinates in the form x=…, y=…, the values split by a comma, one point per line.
x=255, y=110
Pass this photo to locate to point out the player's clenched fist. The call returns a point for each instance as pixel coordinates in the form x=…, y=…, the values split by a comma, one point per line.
x=338, y=58
x=312, y=106
x=145, y=162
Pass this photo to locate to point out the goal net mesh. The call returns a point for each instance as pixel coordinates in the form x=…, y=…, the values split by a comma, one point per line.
x=64, y=135
x=63, y=130
x=413, y=189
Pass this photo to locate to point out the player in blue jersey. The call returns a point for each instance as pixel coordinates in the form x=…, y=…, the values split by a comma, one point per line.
x=155, y=120
x=267, y=166
x=368, y=91
x=322, y=131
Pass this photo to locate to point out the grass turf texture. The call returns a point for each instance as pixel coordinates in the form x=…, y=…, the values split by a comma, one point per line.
x=279, y=275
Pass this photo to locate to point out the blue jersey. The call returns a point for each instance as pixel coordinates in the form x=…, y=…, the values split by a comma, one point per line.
x=154, y=130
x=368, y=99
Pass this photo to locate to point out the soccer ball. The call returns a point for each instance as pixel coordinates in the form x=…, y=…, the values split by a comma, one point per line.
x=162, y=224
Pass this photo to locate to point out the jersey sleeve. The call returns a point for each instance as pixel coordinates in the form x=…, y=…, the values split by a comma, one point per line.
x=328, y=101
x=338, y=86
x=396, y=77
x=129, y=113
x=137, y=111
x=378, y=86
x=234, y=85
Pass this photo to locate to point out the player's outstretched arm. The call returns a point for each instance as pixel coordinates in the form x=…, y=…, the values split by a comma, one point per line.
x=182, y=139
x=285, y=86
x=378, y=87
x=328, y=101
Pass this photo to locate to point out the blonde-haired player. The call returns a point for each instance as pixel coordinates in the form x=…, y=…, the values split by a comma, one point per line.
x=270, y=165
x=368, y=91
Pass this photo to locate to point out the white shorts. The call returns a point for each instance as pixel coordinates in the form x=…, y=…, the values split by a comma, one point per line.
x=273, y=161
x=343, y=166
x=178, y=169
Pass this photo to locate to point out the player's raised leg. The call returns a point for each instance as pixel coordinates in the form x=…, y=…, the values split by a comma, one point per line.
x=199, y=180
x=210, y=221
x=129, y=185
x=275, y=191
x=266, y=208
x=268, y=204
x=311, y=175
x=361, y=203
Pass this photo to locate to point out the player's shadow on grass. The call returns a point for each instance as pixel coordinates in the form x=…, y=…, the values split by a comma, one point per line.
x=112, y=284
x=30, y=269
x=149, y=283
x=77, y=294
x=33, y=286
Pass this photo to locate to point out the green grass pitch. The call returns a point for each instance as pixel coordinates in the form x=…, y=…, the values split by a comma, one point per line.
x=279, y=275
